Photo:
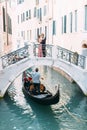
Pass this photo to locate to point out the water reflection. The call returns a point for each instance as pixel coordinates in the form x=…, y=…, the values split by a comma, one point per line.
x=33, y=114
x=28, y=115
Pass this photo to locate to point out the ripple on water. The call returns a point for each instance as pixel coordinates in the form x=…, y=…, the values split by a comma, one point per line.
x=19, y=113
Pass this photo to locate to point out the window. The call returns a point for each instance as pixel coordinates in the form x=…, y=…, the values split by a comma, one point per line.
x=40, y=30
x=62, y=25
x=35, y=11
x=9, y=25
x=9, y=22
x=40, y=14
x=28, y=35
x=75, y=20
x=44, y=10
x=20, y=1
x=54, y=28
x=4, y=27
x=23, y=34
x=23, y=16
x=26, y=15
x=85, y=17
x=46, y=31
x=71, y=22
x=65, y=24
x=29, y=14
x=37, y=31
x=18, y=19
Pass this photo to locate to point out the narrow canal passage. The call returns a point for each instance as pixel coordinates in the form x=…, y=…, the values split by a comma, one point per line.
x=18, y=113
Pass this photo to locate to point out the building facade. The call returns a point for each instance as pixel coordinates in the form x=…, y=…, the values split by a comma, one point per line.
x=31, y=19
x=64, y=22
x=5, y=28
x=71, y=24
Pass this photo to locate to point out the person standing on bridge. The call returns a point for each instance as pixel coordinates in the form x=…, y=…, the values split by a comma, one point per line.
x=40, y=53
x=43, y=42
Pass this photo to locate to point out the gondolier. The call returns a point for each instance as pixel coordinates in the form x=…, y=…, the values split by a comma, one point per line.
x=36, y=80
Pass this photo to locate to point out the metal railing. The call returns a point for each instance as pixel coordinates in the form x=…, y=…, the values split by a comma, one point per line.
x=15, y=56
x=62, y=53
x=47, y=50
x=72, y=57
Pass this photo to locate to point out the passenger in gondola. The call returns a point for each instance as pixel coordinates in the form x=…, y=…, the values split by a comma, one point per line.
x=27, y=83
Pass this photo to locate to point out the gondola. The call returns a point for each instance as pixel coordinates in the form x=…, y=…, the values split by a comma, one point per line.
x=44, y=97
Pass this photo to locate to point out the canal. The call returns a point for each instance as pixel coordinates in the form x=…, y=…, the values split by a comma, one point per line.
x=19, y=113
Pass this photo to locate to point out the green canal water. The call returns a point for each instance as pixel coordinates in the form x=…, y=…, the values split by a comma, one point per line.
x=19, y=113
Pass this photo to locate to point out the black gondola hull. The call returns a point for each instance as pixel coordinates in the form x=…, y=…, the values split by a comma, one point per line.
x=48, y=100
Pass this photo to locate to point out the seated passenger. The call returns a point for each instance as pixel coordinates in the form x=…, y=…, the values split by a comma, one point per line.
x=32, y=89
x=26, y=83
x=42, y=88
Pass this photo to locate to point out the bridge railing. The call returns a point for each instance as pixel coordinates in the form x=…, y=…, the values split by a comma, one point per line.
x=27, y=51
x=47, y=50
x=72, y=57
x=15, y=56
x=55, y=52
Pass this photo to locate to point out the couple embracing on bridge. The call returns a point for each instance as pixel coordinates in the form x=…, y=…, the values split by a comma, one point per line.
x=42, y=46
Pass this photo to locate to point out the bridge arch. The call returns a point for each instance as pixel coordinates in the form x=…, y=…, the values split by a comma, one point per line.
x=10, y=73
x=61, y=59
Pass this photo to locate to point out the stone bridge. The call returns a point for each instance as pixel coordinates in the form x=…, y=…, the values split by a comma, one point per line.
x=14, y=63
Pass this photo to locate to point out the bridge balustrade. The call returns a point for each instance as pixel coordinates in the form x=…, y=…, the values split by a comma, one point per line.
x=72, y=57
x=15, y=56
x=48, y=50
x=54, y=52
